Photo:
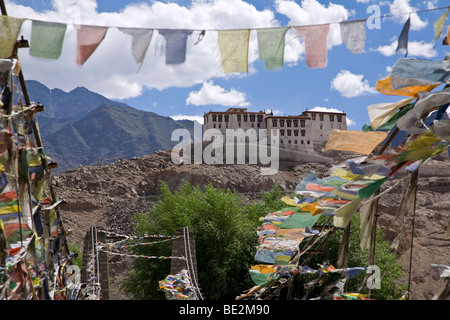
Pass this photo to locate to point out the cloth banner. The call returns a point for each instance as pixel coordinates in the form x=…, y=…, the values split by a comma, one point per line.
x=315, y=44
x=355, y=141
x=422, y=108
x=271, y=46
x=6, y=66
x=439, y=25
x=233, y=45
x=380, y=113
x=47, y=39
x=88, y=39
x=9, y=31
x=344, y=214
x=175, y=45
x=384, y=87
x=402, y=46
x=353, y=33
x=410, y=72
x=141, y=39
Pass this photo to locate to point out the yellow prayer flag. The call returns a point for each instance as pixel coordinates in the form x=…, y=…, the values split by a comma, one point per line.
x=233, y=45
x=355, y=141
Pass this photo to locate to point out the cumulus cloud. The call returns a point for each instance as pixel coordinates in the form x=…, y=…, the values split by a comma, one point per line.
x=210, y=94
x=400, y=10
x=350, y=122
x=415, y=48
x=177, y=117
x=112, y=70
x=351, y=85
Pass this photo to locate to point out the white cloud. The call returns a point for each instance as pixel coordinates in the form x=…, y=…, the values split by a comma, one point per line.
x=275, y=112
x=112, y=70
x=400, y=10
x=177, y=117
x=351, y=85
x=210, y=94
x=415, y=48
x=350, y=122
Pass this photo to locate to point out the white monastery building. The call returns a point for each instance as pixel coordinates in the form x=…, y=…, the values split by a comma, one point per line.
x=297, y=132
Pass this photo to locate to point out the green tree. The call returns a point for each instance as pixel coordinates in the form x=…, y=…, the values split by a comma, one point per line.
x=224, y=227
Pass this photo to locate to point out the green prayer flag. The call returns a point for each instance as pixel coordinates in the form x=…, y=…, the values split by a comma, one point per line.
x=366, y=192
x=271, y=46
x=47, y=39
x=300, y=220
x=9, y=31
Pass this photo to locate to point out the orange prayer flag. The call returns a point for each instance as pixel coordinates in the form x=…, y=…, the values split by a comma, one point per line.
x=384, y=86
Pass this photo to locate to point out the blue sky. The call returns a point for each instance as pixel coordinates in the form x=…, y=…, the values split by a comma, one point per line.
x=189, y=90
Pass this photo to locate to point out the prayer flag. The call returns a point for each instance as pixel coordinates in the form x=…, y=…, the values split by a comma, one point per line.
x=9, y=30
x=353, y=34
x=47, y=39
x=88, y=39
x=344, y=214
x=380, y=113
x=175, y=45
x=355, y=141
x=315, y=38
x=403, y=39
x=271, y=46
x=141, y=39
x=439, y=25
x=410, y=72
x=384, y=86
x=233, y=45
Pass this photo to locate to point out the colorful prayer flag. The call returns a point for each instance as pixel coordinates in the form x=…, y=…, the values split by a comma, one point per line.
x=88, y=39
x=175, y=45
x=271, y=46
x=9, y=31
x=384, y=86
x=47, y=39
x=233, y=45
x=315, y=38
x=353, y=34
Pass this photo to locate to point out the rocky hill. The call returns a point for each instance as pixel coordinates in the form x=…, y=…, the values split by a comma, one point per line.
x=108, y=195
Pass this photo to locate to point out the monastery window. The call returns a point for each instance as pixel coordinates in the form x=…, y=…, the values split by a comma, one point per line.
x=295, y=123
x=220, y=118
x=274, y=123
x=307, y=142
x=296, y=133
x=295, y=141
x=301, y=142
x=321, y=126
x=289, y=133
x=239, y=124
x=302, y=123
x=281, y=123
x=339, y=118
x=303, y=133
x=281, y=132
x=252, y=118
x=214, y=118
x=238, y=117
x=313, y=116
x=214, y=125
x=331, y=118
x=245, y=117
x=321, y=117
x=289, y=141
x=288, y=123
x=260, y=118
x=227, y=118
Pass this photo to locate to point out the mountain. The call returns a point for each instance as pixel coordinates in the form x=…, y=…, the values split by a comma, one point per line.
x=81, y=127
